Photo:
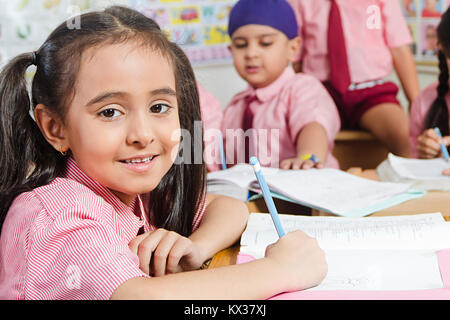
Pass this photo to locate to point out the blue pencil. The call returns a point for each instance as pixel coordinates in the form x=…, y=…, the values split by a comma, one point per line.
x=267, y=196
x=222, y=152
x=443, y=147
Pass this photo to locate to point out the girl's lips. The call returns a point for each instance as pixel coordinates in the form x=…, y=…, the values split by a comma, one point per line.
x=139, y=165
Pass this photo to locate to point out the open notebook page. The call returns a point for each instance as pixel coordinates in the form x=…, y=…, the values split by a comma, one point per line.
x=419, y=169
x=333, y=190
x=377, y=253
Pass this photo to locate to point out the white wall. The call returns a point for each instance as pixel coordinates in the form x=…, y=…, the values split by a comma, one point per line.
x=223, y=81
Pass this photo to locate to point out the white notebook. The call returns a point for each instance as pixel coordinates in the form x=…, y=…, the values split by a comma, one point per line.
x=425, y=174
x=329, y=190
x=374, y=253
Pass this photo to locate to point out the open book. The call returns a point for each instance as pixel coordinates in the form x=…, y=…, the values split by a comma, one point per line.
x=422, y=174
x=329, y=190
x=374, y=253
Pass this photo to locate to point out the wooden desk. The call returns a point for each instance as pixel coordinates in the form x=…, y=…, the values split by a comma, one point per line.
x=433, y=201
x=358, y=149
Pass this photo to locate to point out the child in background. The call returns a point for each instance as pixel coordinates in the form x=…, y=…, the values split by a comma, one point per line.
x=430, y=109
x=367, y=38
x=212, y=115
x=290, y=119
x=109, y=101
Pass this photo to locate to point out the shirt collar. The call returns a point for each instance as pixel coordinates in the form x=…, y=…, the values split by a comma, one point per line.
x=268, y=92
x=136, y=209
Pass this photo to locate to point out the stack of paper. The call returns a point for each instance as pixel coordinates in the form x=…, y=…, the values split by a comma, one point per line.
x=422, y=174
x=376, y=253
x=329, y=190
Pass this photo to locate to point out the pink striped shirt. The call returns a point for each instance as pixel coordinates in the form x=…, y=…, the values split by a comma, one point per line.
x=69, y=240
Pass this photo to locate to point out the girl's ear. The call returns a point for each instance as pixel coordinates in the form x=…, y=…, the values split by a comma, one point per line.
x=294, y=49
x=52, y=127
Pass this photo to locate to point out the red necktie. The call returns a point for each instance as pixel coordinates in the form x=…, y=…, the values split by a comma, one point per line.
x=340, y=74
x=247, y=123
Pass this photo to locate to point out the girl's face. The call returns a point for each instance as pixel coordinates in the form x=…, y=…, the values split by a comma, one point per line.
x=261, y=53
x=122, y=126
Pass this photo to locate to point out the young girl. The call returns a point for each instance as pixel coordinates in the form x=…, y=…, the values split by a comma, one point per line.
x=430, y=109
x=290, y=118
x=111, y=101
x=352, y=46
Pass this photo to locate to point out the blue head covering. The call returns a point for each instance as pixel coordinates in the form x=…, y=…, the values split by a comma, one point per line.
x=277, y=14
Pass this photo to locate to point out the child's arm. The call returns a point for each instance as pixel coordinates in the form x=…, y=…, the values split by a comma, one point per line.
x=295, y=262
x=312, y=139
x=224, y=221
x=162, y=251
x=405, y=68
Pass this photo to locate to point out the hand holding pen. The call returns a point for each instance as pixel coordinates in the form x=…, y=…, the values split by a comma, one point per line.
x=430, y=145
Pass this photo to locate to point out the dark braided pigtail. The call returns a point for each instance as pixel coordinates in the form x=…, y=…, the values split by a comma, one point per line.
x=438, y=114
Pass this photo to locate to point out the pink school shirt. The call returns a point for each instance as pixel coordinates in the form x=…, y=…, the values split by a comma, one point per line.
x=419, y=110
x=286, y=105
x=212, y=115
x=371, y=28
x=69, y=240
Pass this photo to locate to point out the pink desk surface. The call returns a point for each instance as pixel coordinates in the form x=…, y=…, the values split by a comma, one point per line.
x=429, y=294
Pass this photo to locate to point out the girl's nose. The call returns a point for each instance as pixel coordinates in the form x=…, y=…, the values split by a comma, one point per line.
x=140, y=131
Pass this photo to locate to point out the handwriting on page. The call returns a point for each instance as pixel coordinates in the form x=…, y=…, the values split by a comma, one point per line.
x=415, y=232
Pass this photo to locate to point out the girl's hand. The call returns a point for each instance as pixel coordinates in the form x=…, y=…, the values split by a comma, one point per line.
x=300, y=260
x=298, y=163
x=428, y=144
x=446, y=172
x=162, y=252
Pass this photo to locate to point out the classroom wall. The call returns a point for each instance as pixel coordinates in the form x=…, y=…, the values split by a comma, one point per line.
x=223, y=81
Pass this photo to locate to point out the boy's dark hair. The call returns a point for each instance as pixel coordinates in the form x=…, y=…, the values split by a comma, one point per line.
x=437, y=116
x=28, y=161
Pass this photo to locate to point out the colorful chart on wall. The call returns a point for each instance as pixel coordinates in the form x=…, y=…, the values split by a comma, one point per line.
x=198, y=26
x=423, y=17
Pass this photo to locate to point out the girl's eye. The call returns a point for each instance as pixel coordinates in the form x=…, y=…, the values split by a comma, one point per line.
x=266, y=44
x=159, y=108
x=109, y=113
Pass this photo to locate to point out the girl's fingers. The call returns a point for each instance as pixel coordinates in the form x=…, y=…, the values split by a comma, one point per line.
x=181, y=248
x=146, y=247
x=446, y=140
x=133, y=245
x=427, y=147
x=161, y=253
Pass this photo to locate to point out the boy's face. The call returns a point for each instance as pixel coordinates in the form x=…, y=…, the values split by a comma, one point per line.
x=261, y=53
x=122, y=125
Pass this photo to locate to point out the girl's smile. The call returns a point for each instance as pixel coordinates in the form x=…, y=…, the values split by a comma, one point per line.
x=139, y=164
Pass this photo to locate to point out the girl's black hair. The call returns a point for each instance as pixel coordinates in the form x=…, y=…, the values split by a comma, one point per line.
x=437, y=116
x=28, y=161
